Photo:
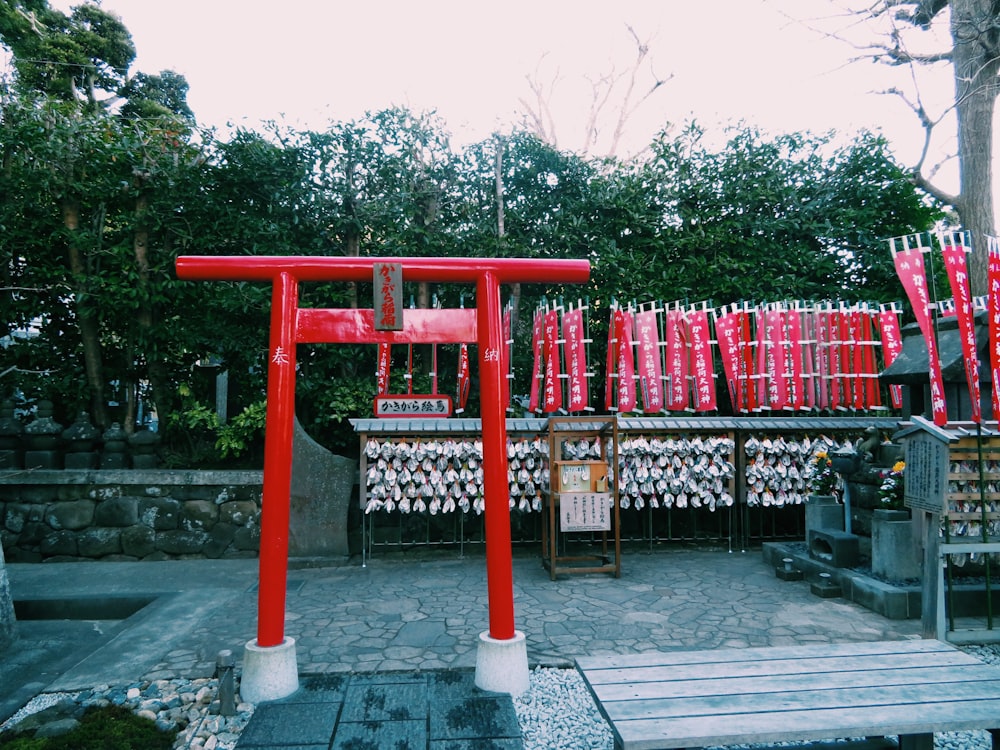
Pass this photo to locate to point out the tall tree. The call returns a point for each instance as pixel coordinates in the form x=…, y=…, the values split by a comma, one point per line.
x=973, y=30
x=96, y=146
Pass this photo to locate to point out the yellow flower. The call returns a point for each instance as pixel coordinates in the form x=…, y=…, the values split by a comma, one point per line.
x=898, y=467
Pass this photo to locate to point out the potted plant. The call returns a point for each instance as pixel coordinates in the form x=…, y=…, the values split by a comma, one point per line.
x=890, y=492
x=821, y=479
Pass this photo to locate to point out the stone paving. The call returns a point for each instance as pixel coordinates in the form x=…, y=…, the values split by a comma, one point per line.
x=425, y=612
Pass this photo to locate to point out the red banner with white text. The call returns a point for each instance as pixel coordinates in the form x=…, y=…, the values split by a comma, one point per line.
x=953, y=252
x=648, y=363
x=892, y=345
x=702, y=366
x=537, y=343
x=910, y=269
x=382, y=370
x=677, y=360
x=993, y=317
x=552, y=388
x=727, y=332
x=575, y=352
x=625, y=362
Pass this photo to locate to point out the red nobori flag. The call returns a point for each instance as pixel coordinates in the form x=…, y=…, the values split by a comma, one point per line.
x=649, y=365
x=382, y=370
x=793, y=359
x=574, y=337
x=626, y=362
x=836, y=349
x=702, y=367
x=761, y=374
x=873, y=396
x=824, y=356
x=892, y=345
x=537, y=342
x=505, y=358
x=677, y=361
x=845, y=358
x=910, y=269
x=993, y=316
x=464, y=378
x=553, y=371
x=857, y=359
x=807, y=318
x=774, y=359
x=746, y=359
x=610, y=358
x=953, y=249
x=727, y=331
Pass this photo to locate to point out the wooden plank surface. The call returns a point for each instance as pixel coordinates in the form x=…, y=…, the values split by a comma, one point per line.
x=733, y=696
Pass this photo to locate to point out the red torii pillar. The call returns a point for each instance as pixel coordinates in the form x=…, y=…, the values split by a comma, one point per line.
x=270, y=669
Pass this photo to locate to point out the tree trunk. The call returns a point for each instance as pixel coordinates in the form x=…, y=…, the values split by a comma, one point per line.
x=515, y=289
x=352, y=235
x=144, y=315
x=975, y=68
x=86, y=318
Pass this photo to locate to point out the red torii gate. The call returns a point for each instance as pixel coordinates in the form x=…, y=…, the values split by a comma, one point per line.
x=291, y=325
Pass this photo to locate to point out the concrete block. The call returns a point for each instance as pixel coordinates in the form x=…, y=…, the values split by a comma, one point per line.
x=502, y=665
x=825, y=587
x=789, y=575
x=838, y=548
x=895, y=548
x=269, y=672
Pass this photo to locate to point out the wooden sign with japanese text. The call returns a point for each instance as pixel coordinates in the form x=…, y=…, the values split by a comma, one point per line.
x=585, y=511
x=388, y=281
x=413, y=405
x=926, y=473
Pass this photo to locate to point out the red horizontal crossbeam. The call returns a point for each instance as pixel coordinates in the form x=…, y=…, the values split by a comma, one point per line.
x=319, y=268
x=350, y=326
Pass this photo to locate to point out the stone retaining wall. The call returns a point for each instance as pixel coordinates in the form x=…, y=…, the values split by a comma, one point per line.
x=62, y=515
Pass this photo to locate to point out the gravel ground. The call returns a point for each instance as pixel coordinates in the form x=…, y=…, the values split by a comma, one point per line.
x=557, y=712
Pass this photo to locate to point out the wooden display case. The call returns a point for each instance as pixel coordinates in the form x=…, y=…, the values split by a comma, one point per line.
x=582, y=531
x=969, y=466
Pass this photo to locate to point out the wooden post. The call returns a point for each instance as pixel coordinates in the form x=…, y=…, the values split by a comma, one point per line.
x=932, y=591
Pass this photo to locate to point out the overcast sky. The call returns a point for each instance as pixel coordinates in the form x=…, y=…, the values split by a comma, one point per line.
x=311, y=62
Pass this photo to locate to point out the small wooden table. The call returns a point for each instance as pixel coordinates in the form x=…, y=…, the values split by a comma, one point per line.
x=683, y=699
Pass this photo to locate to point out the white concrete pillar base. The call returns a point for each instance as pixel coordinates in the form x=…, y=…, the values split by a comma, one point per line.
x=269, y=672
x=502, y=665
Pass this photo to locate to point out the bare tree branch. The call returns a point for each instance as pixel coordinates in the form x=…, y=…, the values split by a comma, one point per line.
x=539, y=114
x=606, y=92
x=627, y=111
x=25, y=372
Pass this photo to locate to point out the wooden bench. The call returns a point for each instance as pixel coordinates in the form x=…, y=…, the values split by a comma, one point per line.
x=684, y=699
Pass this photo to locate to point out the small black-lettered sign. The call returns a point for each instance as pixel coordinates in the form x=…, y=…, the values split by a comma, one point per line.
x=434, y=405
